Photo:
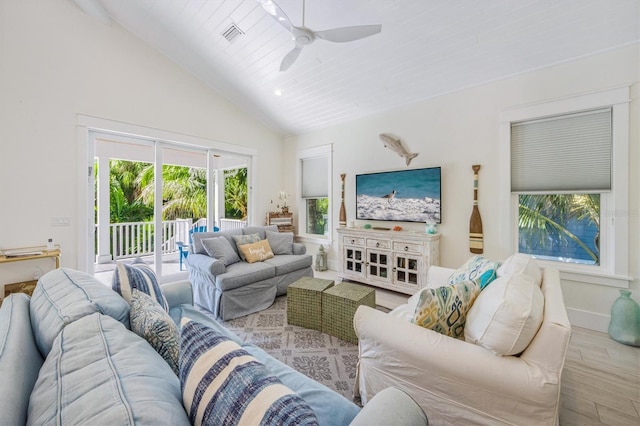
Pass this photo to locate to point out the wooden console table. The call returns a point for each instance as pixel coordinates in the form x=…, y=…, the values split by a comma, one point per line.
x=393, y=260
x=284, y=221
x=23, y=254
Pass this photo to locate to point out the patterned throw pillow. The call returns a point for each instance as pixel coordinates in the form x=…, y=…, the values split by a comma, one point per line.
x=477, y=269
x=245, y=239
x=222, y=384
x=140, y=276
x=256, y=252
x=444, y=309
x=220, y=248
x=151, y=322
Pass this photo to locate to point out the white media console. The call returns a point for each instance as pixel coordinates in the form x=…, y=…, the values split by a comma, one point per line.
x=393, y=260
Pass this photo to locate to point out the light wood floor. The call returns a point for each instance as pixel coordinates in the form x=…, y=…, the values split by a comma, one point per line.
x=600, y=381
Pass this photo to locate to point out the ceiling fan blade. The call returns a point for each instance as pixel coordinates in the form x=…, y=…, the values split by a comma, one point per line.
x=290, y=58
x=345, y=34
x=275, y=11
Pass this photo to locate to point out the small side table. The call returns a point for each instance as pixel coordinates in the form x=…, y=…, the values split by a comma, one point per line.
x=304, y=302
x=339, y=304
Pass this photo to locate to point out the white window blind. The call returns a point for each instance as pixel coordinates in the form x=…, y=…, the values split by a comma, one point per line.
x=564, y=153
x=315, y=177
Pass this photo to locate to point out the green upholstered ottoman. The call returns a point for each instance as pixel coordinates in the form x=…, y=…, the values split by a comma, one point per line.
x=304, y=302
x=339, y=304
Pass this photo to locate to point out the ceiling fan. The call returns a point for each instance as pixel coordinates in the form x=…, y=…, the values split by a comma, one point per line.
x=304, y=36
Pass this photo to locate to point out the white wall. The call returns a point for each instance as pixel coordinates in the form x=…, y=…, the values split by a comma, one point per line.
x=55, y=63
x=461, y=129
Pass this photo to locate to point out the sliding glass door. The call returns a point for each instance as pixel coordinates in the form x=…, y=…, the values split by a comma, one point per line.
x=150, y=196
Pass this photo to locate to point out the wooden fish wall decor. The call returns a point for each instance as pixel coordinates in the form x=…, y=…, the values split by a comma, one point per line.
x=395, y=145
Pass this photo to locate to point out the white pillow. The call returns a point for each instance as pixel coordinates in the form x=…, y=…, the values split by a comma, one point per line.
x=506, y=315
x=520, y=263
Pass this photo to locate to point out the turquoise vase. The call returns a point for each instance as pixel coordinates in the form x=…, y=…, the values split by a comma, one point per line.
x=625, y=320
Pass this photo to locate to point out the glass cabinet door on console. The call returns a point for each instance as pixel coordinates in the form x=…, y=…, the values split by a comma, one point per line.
x=406, y=270
x=378, y=265
x=354, y=261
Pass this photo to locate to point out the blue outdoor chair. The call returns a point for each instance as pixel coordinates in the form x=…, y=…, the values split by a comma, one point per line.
x=184, y=248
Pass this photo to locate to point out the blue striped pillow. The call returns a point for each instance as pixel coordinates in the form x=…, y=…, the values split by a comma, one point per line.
x=222, y=384
x=140, y=276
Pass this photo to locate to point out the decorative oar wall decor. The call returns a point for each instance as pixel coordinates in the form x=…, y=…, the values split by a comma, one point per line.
x=476, y=238
x=342, y=221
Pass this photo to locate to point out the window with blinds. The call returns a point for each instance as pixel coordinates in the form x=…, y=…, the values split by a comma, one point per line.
x=559, y=167
x=315, y=177
x=566, y=153
x=315, y=184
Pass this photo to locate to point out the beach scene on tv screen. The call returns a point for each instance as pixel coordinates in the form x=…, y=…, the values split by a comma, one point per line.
x=402, y=195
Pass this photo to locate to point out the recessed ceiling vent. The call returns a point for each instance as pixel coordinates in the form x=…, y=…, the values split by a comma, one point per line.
x=232, y=32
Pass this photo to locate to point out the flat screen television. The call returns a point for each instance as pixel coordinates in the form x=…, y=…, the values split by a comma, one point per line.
x=401, y=195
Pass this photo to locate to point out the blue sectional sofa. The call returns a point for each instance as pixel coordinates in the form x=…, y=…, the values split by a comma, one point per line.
x=67, y=356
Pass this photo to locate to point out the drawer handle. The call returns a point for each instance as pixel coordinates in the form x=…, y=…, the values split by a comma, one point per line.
x=406, y=248
x=377, y=244
x=353, y=241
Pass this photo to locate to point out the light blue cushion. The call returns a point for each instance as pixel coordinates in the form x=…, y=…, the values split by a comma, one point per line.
x=63, y=296
x=242, y=273
x=197, y=315
x=286, y=263
x=223, y=384
x=280, y=242
x=154, y=324
x=197, y=237
x=220, y=248
x=20, y=359
x=99, y=373
x=260, y=230
x=140, y=276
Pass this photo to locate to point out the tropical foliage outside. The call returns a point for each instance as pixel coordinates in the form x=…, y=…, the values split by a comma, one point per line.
x=184, y=192
x=184, y=196
x=560, y=226
x=317, y=210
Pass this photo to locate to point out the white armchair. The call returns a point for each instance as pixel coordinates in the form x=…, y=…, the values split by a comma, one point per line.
x=457, y=382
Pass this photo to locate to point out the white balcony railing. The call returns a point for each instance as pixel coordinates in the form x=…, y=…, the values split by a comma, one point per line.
x=133, y=239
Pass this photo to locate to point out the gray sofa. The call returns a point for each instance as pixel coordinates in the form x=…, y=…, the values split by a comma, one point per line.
x=67, y=356
x=242, y=288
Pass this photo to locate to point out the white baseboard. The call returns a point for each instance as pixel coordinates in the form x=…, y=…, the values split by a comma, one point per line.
x=589, y=320
x=333, y=265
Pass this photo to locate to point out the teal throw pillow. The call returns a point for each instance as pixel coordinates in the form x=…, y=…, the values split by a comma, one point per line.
x=477, y=269
x=223, y=384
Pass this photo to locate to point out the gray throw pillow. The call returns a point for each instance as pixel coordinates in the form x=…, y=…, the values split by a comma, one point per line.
x=281, y=243
x=245, y=239
x=220, y=248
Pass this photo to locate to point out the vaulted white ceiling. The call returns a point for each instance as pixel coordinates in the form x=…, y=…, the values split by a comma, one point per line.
x=426, y=48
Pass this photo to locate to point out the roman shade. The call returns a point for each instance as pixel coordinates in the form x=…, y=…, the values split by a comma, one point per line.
x=565, y=153
x=315, y=177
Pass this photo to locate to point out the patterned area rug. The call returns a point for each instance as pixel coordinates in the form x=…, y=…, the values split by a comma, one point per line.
x=322, y=357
